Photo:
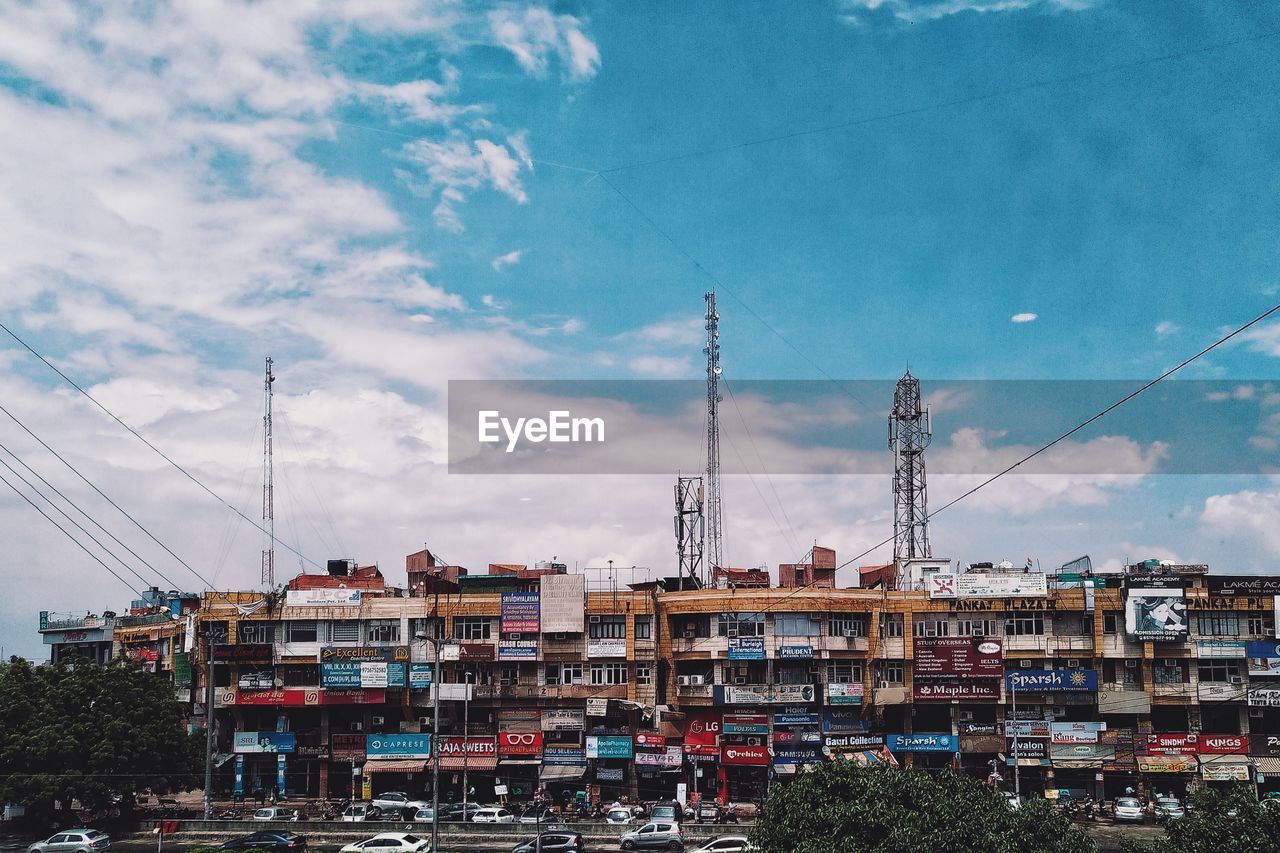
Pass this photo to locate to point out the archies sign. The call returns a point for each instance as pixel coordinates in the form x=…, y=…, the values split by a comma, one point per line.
x=744, y=755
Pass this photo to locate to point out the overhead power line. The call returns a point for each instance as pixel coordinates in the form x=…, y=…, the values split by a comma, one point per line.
x=192, y=477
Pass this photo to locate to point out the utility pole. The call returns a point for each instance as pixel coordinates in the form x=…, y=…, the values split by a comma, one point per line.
x=208, y=727
x=909, y=435
x=268, y=486
x=466, y=742
x=712, y=505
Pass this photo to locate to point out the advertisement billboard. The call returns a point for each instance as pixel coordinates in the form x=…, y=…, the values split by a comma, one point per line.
x=959, y=657
x=563, y=603
x=922, y=743
x=265, y=742
x=609, y=746
x=986, y=585
x=1264, y=657
x=1052, y=680
x=947, y=691
x=702, y=727
x=844, y=694
x=746, y=648
x=521, y=612
x=1155, y=614
x=1232, y=585
x=398, y=746
x=322, y=598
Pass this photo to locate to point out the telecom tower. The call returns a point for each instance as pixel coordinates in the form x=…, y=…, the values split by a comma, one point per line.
x=711, y=504
x=268, y=487
x=909, y=435
x=690, y=530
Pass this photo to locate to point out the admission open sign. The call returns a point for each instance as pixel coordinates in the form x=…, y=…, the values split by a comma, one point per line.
x=962, y=657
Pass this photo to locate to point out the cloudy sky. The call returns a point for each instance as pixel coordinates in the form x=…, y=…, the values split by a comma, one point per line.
x=386, y=195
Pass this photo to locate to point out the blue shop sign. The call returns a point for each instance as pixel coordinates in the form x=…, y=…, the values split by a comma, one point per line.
x=744, y=728
x=746, y=648
x=806, y=719
x=398, y=746
x=795, y=652
x=796, y=755
x=923, y=743
x=419, y=676
x=840, y=720
x=1052, y=680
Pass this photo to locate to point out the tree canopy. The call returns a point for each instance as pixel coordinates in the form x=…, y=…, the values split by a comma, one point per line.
x=84, y=731
x=847, y=808
x=1220, y=820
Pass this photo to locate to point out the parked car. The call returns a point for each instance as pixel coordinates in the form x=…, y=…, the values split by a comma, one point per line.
x=273, y=813
x=618, y=816
x=708, y=811
x=1128, y=809
x=666, y=811
x=725, y=844
x=398, y=802
x=493, y=814
x=459, y=811
x=423, y=815
x=73, y=841
x=537, y=814
x=1168, y=807
x=662, y=835
x=553, y=842
x=267, y=840
x=357, y=812
x=390, y=842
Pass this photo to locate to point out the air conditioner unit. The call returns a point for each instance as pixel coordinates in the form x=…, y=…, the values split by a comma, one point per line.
x=884, y=685
x=357, y=727
x=739, y=680
x=595, y=620
x=1235, y=679
x=1255, y=712
x=424, y=721
x=689, y=635
x=1025, y=664
x=1170, y=661
x=682, y=680
x=1130, y=664
x=506, y=682
x=753, y=741
x=378, y=721
x=966, y=716
x=849, y=633
x=697, y=679
x=1073, y=663
x=732, y=633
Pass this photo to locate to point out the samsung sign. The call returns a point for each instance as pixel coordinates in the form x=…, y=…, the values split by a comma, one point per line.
x=1052, y=680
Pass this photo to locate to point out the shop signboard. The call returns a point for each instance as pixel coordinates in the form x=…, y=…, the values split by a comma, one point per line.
x=563, y=603
x=518, y=650
x=389, y=654
x=265, y=742
x=843, y=720
x=746, y=728
x=701, y=753
x=1075, y=732
x=752, y=755
x=797, y=755
x=985, y=585
x=322, y=598
x=1052, y=680
x=243, y=653
x=844, y=694
x=257, y=680
x=1210, y=691
x=948, y=691
x=650, y=740
x=564, y=720
x=763, y=694
x=519, y=743
x=958, y=657
x=398, y=746
x=347, y=747
x=520, y=613
x=614, y=648
x=1264, y=745
x=564, y=756
x=1217, y=771
x=474, y=652
x=609, y=746
x=853, y=741
x=922, y=743
x=802, y=718
x=1026, y=747
x=1166, y=763
x=668, y=757
x=1027, y=728
x=1232, y=585
x=795, y=652
x=1175, y=744
x=1082, y=752
x=1156, y=614
x=1220, y=648
x=1264, y=657
x=419, y=676
x=702, y=728
x=610, y=774
x=746, y=648
x=458, y=746
x=1224, y=744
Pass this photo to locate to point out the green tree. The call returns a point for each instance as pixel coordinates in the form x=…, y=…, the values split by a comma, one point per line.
x=1220, y=820
x=843, y=808
x=85, y=731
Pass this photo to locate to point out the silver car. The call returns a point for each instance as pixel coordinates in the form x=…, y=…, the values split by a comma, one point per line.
x=73, y=841
x=659, y=835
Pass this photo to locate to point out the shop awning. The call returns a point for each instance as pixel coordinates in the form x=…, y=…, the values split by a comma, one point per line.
x=1077, y=763
x=519, y=762
x=1225, y=768
x=561, y=772
x=1167, y=763
x=395, y=765
x=1267, y=764
x=784, y=769
x=1029, y=762
x=473, y=762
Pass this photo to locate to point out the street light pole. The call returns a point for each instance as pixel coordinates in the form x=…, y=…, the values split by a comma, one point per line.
x=466, y=742
x=208, y=727
x=435, y=741
x=1017, y=768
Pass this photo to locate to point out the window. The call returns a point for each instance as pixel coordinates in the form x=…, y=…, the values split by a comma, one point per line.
x=790, y=672
x=1262, y=624
x=644, y=674
x=1112, y=622
x=740, y=625
x=888, y=672
x=691, y=627
x=890, y=625
x=644, y=628
x=1024, y=624
x=796, y=625
x=382, y=631
x=844, y=672
x=256, y=632
x=1219, y=670
x=847, y=625
x=302, y=632
x=607, y=628
x=931, y=628
x=509, y=673
x=978, y=628
x=345, y=631
x=1164, y=674
x=608, y=673
x=430, y=627
x=563, y=673
x=1218, y=624
x=473, y=627
x=304, y=675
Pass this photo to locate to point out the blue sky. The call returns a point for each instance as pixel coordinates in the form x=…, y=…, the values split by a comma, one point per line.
x=388, y=195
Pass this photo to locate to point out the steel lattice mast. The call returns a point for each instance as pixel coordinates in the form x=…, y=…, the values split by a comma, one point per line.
x=268, y=486
x=689, y=526
x=711, y=505
x=909, y=435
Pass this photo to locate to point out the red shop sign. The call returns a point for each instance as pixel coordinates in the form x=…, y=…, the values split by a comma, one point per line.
x=1224, y=745
x=744, y=755
x=650, y=739
x=520, y=743
x=703, y=727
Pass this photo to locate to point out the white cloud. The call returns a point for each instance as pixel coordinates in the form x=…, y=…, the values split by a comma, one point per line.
x=857, y=11
x=661, y=367
x=1253, y=514
x=1264, y=339
x=1165, y=328
x=1025, y=317
x=458, y=164
x=509, y=259
x=535, y=36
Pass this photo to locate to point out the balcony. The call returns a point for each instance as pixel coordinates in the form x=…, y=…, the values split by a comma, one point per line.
x=694, y=691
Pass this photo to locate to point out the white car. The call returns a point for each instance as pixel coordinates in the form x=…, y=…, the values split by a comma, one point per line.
x=390, y=842
x=1168, y=807
x=396, y=802
x=73, y=841
x=493, y=814
x=1129, y=809
x=725, y=844
x=618, y=816
x=273, y=813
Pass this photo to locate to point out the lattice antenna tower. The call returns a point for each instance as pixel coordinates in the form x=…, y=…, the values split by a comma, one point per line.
x=268, y=485
x=712, y=508
x=690, y=526
x=909, y=434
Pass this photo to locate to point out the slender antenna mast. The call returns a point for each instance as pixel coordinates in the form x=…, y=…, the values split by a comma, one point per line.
x=690, y=530
x=909, y=434
x=712, y=505
x=268, y=487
